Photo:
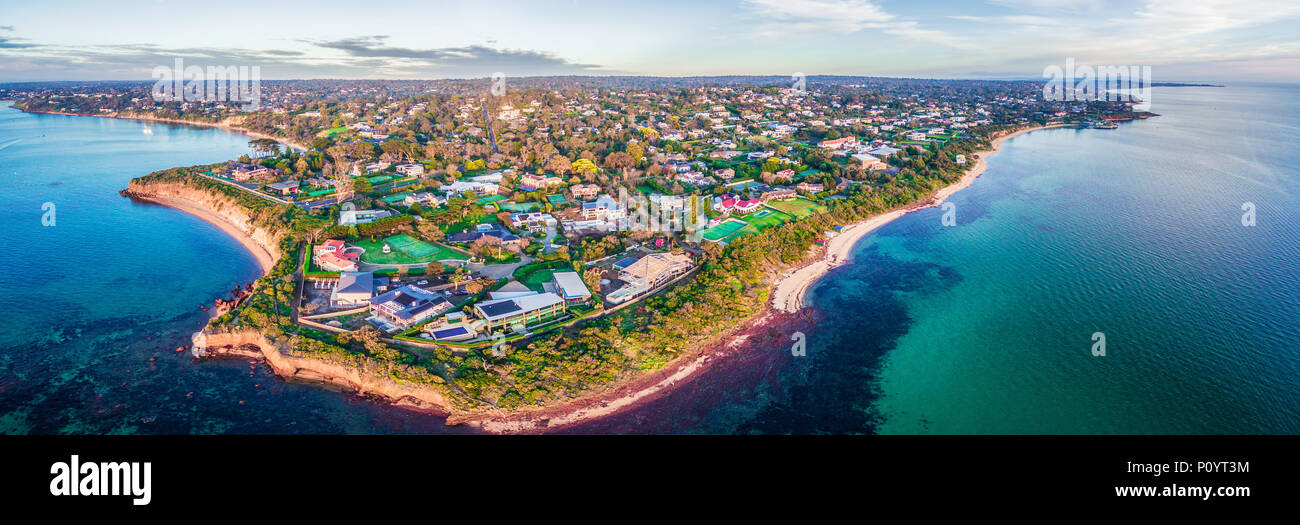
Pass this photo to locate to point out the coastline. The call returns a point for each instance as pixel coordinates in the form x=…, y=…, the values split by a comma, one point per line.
x=786, y=307
x=264, y=257
x=789, y=292
x=788, y=300
x=224, y=125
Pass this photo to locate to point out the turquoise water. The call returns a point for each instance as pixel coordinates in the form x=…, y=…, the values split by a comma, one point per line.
x=986, y=327
x=93, y=307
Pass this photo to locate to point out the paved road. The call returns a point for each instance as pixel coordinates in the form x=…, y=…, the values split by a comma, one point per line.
x=499, y=271
x=495, y=271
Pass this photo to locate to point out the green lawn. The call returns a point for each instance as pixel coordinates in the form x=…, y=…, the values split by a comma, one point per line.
x=420, y=251
x=535, y=280
x=798, y=207
x=740, y=226
x=723, y=230
x=536, y=274
x=763, y=221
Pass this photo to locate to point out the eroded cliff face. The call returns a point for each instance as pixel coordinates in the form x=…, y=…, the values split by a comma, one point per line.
x=252, y=344
x=212, y=207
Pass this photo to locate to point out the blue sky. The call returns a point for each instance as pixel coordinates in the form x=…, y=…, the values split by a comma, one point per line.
x=1180, y=39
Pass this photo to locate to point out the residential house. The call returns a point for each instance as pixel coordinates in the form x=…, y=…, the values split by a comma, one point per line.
x=414, y=170
x=868, y=160
x=778, y=194
x=288, y=187
x=333, y=262
x=408, y=305
x=648, y=273
x=604, y=208
x=533, y=221
x=810, y=187
x=516, y=314
x=584, y=191
x=533, y=182
x=571, y=287
x=461, y=187
x=839, y=143
x=495, y=231
x=353, y=289
x=426, y=199
x=727, y=204
x=355, y=217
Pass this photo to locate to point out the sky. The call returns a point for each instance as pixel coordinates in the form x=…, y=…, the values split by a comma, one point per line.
x=1182, y=40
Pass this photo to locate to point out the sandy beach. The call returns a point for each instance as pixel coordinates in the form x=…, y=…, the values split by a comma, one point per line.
x=264, y=257
x=788, y=294
x=788, y=298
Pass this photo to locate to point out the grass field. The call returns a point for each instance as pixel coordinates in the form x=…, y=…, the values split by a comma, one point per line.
x=535, y=280
x=798, y=207
x=413, y=247
x=738, y=227
x=724, y=230
x=763, y=221
x=406, y=250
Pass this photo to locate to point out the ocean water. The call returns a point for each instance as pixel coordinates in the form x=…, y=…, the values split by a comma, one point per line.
x=93, y=307
x=986, y=327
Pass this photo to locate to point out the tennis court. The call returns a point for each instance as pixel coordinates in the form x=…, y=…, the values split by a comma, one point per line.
x=723, y=230
x=411, y=246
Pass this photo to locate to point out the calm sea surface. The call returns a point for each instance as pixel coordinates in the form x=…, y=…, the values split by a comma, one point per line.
x=982, y=327
x=986, y=327
x=93, y=307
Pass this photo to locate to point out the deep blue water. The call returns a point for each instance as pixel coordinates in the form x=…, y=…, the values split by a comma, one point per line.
x=79, y=299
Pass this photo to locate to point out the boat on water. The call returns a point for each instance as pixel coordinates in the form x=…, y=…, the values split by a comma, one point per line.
x=1104, y=124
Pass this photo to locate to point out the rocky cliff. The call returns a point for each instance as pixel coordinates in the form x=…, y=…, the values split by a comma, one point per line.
x=251, y=344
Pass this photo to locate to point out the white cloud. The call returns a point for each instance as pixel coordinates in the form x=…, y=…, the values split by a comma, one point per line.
x=784, y=17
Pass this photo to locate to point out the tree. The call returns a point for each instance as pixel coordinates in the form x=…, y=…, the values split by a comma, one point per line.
x=434, y=269
x=362, y=185
x=635, y=151
x=619, y=160
x=430, y=231
x=559, y=164
x=364, y=150
x=584, y=166
x=592, y=278
x=396, y=149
